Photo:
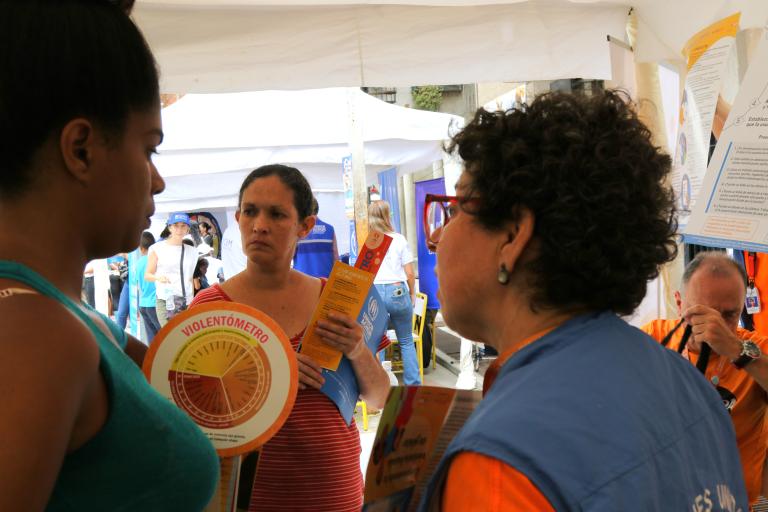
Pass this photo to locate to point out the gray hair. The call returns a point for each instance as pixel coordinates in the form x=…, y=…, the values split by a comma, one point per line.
x=717, y=263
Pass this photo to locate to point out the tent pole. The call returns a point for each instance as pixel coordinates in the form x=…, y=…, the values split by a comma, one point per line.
x=651, y=112
x=357, y=149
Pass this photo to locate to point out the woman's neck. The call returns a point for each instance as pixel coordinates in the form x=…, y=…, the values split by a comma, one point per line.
x=268, y=278
x=55, y=256
x=520, y=323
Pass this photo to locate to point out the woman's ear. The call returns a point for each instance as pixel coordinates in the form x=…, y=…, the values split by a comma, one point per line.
x=77, y=146
x=518, y=236
x=306, y=225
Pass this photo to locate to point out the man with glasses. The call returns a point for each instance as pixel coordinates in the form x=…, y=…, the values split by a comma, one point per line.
x=731, y=358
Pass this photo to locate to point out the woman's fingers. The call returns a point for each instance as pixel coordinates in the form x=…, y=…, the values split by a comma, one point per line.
x=310, y=373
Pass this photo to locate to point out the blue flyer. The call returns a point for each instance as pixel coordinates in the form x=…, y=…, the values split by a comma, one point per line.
x=341, y=386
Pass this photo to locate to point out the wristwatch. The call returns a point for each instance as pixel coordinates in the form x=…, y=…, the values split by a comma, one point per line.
x=749, y=352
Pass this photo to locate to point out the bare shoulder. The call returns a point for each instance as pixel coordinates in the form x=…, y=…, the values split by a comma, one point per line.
x=50, y=368
x=233, y=286
x=306, y=285
x=44, y=341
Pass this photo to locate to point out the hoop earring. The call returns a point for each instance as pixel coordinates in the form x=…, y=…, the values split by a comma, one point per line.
x=503, y=275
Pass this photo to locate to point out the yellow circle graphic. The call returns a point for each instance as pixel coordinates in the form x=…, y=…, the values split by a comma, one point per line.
x=220, y=379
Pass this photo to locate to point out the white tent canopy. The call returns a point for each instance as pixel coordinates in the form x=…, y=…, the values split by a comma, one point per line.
x=240, y=45
x=214, y=140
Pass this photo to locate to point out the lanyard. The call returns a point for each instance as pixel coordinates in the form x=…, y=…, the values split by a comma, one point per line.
x=750, y=262
x=706, y=350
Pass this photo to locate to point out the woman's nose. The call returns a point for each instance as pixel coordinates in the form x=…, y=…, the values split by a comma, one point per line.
x=156, y=181
x=260, y=223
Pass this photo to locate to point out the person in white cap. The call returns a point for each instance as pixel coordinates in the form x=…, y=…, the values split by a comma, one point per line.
x=170, y=265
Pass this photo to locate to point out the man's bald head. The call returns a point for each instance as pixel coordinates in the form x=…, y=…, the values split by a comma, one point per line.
x=714, y=280
x=716, y=263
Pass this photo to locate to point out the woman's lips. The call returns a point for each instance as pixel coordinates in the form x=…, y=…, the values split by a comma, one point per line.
x=259, y=244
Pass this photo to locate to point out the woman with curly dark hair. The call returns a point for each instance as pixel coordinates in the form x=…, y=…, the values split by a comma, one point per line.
x=561, y=218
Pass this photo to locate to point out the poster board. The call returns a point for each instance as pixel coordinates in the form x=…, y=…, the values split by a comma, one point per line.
x=732, y=210
x=231, y=368
x=709, y=56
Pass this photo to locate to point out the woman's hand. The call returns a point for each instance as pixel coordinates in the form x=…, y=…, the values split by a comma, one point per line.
x=310, y=373
x=343, y=333
x=163, y=279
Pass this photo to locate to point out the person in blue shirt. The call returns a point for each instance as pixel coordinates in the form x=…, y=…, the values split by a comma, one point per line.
x=317, y=252
x=147, y=297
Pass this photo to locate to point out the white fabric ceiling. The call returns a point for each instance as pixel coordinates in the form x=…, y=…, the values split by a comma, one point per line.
x=240, y=45
x=214, y=140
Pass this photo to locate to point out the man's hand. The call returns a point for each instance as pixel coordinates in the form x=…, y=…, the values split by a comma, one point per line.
x=707, y=325
x=343, y=333
x=310, y=373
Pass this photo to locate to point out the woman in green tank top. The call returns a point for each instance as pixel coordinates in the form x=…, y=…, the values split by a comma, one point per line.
x=80, y=427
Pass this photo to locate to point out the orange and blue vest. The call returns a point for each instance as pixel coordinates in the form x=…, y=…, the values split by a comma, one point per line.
x=599, y=416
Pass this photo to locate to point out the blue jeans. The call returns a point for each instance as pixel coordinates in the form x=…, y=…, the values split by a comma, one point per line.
x=123, y=307
x=398, y=303
x=151, y=323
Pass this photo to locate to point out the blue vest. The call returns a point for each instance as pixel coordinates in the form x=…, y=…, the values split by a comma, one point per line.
x=314, y=254
x=600, y=417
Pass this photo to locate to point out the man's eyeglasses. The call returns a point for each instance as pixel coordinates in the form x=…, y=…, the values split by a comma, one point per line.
x=438, y=211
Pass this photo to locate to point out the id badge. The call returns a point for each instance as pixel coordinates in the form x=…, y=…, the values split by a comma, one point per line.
x=752, y=301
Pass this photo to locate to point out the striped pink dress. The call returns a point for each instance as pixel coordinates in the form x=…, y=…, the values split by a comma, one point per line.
x=313, y=462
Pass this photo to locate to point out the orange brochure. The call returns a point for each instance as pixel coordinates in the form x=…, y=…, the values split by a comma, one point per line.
x=345, y=292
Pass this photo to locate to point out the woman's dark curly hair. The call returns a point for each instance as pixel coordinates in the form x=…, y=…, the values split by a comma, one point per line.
x=587, y=169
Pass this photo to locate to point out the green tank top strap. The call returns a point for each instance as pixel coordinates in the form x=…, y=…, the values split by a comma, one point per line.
x=120, y=336
x=23, y=274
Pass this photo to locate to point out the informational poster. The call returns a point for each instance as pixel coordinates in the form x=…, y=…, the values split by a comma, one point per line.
x=732, y=210
x=231, y=368
x=416, y=426
x=708, y=54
